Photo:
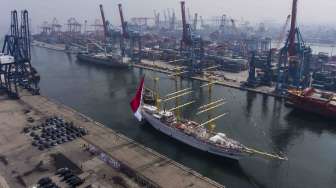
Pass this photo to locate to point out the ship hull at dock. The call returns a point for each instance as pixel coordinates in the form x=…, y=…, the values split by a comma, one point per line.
x=100, y=61
x=190, y=140
x=312, y=105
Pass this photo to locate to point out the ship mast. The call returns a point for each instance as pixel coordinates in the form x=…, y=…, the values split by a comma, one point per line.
x=157, y=93
x=172, y=96
x=207, y=108
x=178, y=93
x=178, y=110
x=211, y=104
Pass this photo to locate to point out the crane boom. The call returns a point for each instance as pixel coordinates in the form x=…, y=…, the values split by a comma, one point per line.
x=291, y=48
x=123, y=24
x=283, y=32
x=184, y=22
x=104, y=21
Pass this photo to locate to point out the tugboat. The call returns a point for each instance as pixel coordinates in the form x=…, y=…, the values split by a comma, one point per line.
x=190, y=132
x=107, y=59
x=313, y=100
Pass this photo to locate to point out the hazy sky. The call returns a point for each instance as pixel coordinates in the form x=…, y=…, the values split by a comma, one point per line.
x=310, y=11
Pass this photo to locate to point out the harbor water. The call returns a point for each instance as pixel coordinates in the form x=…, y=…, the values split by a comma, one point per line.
x=255, y=120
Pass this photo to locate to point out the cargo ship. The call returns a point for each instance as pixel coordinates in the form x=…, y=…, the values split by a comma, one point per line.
x=107, y=59
x=313, y=100
x=190, y=132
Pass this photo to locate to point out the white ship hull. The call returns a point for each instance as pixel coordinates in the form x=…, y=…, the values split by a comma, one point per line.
x=190, y=140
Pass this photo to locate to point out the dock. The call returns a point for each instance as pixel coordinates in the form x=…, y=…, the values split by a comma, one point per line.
x=56, y=47
x=103, y=158
x=234, y=82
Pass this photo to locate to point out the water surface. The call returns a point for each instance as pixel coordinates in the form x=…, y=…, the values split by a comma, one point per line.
x=255, y=120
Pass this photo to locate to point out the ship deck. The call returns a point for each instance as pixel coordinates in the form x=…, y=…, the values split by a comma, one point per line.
x=19, y=160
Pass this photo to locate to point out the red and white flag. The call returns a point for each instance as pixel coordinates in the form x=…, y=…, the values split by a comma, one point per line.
x=136, y=101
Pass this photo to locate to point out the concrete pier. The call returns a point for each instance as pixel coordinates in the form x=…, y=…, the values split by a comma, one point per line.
x=101, y=156
x=232, y=80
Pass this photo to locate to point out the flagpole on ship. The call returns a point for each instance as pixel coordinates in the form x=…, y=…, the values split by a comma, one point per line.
x=137, y=101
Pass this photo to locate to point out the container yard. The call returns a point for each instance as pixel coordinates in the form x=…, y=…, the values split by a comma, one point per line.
x=175, y=97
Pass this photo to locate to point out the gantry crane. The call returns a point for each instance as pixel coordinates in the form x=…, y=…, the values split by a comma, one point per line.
x=17, y=70
x=132, y=37
x=110, y=36
x=191, y=46
x=294, y=60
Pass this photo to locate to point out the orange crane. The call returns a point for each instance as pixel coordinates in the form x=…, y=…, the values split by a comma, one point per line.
x=283, y=32
x=293, y=30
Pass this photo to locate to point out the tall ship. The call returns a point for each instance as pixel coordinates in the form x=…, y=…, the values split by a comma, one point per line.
x=107, y=59
x=313, y=100
x=197, y=135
